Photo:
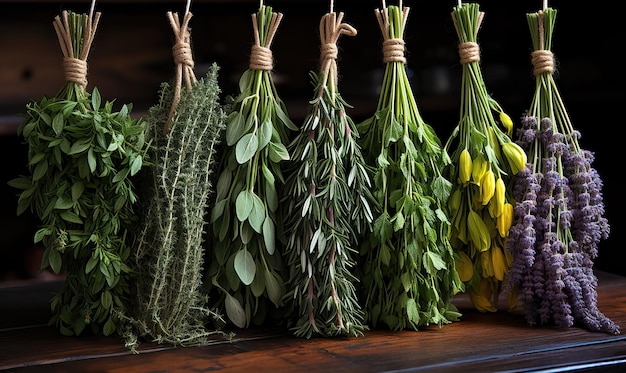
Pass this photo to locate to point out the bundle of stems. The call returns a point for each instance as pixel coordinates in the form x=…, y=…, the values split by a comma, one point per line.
x=247, y=271
x=485, y=159
x=185, y=130
x=559, y=214
x=83, y=158
x=407, y=263
x=326, y=203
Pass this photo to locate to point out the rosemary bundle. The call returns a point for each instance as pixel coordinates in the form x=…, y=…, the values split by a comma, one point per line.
x=185, y=130
x=483, y=163
x=247, y=271
x=326, y=203
x=83, y=158
x=409, y=276
x=559, y=214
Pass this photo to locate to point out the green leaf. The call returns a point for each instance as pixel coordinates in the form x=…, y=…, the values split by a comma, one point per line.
x=265, y=133
x=257, y=214
x=244, y=266
x=63, y=203
x=96, y=100
x=77, y=190
x=412, y=311
x=269, y=235
x=70, y=217
x=433, y=262
x=21, y=183
x=54, y=258
x=246, y=148
x=278, y=152
x=244, y=204
x=91, y=264
x=136, y=165
x=58, y=123
x=106, y=299
x=273, y=287
x=235, y=311
x=40, y=170
x=109, y=327
x=234, y=127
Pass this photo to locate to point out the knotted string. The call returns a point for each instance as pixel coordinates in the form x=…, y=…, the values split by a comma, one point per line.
x=542, y=59
x=261, y=55
x=183, y=58
x=393, y=48
x=469, y=51
x=330, y=30
x=75, y=64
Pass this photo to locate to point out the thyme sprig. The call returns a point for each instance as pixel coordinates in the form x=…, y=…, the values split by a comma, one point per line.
x=483, y=162
x=326, y=204
x=185, y=129
x=83, y=158
x=247, y=270
x=409, y=276
x=559, y=214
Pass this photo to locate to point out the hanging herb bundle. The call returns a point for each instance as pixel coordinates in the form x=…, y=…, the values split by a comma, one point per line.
x=326, y=206
x=185, y=130
x=247, y=270
x=559, y=215
x=485, y=160
x=83, y=158
x=409, y=276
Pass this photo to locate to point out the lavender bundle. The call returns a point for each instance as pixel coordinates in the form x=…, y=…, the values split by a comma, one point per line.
x=559, y=213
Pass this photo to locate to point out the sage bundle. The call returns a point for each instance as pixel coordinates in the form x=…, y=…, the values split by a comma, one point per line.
x=483, y=163
x=409, y=275
x=247, y=271
x=559, y=211
x=326, y=204
x=185, y=130
x=83, y=158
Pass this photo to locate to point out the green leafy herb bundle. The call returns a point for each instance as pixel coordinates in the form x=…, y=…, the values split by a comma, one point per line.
x=83, y=158
x=247, y=270
x=559, y=214
x=326, y=204
x=185, y=130
x=409, y=276
x=483, y=163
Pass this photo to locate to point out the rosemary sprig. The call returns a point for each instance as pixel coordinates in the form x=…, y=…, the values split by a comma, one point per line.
x=326, y=204
x=483, y=162
x=559, y=214
x=409, y=276
x=185, y=129
x=83, y=158
x=246, y=265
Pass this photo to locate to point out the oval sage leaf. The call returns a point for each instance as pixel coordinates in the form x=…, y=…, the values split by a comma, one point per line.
x=244, y=266
x=246, y=147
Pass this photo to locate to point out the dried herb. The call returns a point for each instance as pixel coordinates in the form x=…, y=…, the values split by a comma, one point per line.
x=483, y=163
x=185, y=130
x=409, y=277
x=247, y=271
x=559, y=214
x=326, y=203
x=83, y=158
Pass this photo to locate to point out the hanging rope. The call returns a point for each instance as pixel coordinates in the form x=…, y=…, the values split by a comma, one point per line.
x=542, y=59
x=330, y=30
x=393, y=48
x=468, y=51
x=261, y=57
x=75, y=62
x=183, y=58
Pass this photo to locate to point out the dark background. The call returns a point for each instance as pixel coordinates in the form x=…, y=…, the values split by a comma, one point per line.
x=131, y=56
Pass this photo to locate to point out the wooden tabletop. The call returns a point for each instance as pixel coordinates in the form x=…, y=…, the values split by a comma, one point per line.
x=494, y=342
